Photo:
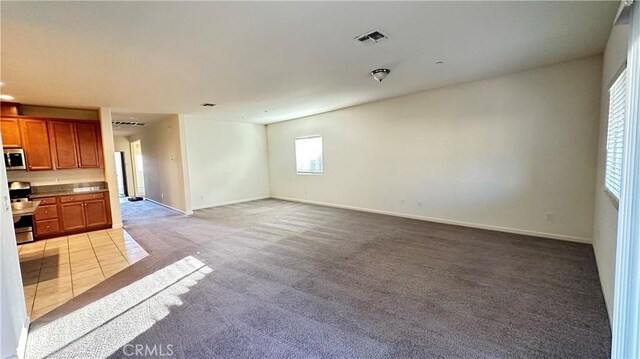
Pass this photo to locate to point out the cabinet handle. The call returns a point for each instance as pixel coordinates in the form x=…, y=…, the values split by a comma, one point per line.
x=48, y=227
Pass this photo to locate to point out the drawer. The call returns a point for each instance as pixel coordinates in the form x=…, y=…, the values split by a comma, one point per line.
x=81, y=197
x=47, y=226
x=47, y=200
x=46, y=212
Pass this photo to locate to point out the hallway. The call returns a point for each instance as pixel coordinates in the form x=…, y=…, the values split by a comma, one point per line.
x=143, y=212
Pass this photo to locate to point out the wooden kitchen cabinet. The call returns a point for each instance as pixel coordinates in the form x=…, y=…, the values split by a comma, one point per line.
x=47, y=227
x=83, y=212
x=72, y=215
x=96, y=213
x=35, y=139
x=52, y=144
x=46, y=218
x=10, y=131
x=64, y=144
x=89, y=144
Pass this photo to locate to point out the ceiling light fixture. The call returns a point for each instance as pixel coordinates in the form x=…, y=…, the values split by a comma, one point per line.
x=6, y=97
x=439, y=62
x=380, y=74
x=208, y=104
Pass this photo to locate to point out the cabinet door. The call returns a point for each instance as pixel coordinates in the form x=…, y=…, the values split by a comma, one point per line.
x=46, y=212
x=72, y=215
x=88, y=144
x=63, y=144
x=10, y=133
x=35, y=139
x=96, y=213
x=48, y=226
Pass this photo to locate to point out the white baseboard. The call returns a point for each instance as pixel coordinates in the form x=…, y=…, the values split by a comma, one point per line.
x=447, y=221
x=230, y=202
x=22, y=342
x=164, y=205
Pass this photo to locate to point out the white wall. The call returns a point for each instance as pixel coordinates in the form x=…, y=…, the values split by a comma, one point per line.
x=606, y=214
x=110, y=165
x=162, y=161
x=13, y=313
x=121, y=143
x=498, y=153
x=227, y=161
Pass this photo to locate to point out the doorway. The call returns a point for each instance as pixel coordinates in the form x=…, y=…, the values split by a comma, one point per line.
x=121, y=174
x=138, y=168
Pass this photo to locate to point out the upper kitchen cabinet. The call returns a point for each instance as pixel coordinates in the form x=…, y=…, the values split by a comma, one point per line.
x=35, y=140
x=64, y=144
x=89, y=144
x=10, y=129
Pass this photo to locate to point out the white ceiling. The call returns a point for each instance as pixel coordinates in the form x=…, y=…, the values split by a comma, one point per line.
x=290, y=59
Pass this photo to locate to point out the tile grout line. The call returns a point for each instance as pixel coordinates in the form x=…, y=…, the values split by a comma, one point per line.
x=73, y=294
x=96, y=254
x=120, y=250
x=35, y=293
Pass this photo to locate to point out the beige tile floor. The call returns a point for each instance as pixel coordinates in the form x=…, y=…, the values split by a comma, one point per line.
x=58, y=269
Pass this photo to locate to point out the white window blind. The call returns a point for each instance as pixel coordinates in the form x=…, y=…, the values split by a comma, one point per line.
x=309, y=154
x=615, y=134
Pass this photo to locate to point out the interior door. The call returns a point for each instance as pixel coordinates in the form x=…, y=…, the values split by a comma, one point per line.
x=120, y=174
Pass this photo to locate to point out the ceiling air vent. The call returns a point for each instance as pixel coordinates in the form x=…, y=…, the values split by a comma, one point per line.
x=372, y=37
x=127, y=123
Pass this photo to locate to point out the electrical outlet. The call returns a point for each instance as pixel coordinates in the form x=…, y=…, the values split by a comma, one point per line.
x=419, y=203
x=402, y=201
x=162, y=195
x=548, y=216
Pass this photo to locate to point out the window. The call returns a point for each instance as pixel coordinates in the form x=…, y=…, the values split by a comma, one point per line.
x=309, y=155
x=615, y=135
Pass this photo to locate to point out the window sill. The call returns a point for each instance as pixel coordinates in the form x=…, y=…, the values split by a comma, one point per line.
x=612, y=197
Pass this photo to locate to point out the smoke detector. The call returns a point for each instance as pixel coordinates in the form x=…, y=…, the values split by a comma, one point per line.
x=380, y=74
x=371, y=37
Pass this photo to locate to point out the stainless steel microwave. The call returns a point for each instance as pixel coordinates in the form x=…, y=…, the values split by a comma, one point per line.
x=14, y=159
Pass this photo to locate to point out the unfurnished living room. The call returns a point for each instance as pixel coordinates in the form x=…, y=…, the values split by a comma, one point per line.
x=425, y=179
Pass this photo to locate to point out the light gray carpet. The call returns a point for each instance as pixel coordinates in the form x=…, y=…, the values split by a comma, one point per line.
x=144, y=212
x=282, y=279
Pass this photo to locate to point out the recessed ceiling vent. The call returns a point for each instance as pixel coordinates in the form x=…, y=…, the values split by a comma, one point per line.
x=372, y=37
x=127, y=123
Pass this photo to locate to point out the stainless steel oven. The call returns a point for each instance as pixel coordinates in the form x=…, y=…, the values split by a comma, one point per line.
x=14, y=159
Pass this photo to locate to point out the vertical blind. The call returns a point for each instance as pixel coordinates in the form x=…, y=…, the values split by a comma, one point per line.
x=615, y=134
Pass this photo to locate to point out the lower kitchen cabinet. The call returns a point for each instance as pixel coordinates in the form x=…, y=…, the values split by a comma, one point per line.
x=96, y=213
x=73, y=217
x=63, y=215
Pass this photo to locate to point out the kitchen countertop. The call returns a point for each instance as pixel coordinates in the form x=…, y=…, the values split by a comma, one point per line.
x=24, y=208
x=68, y=192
